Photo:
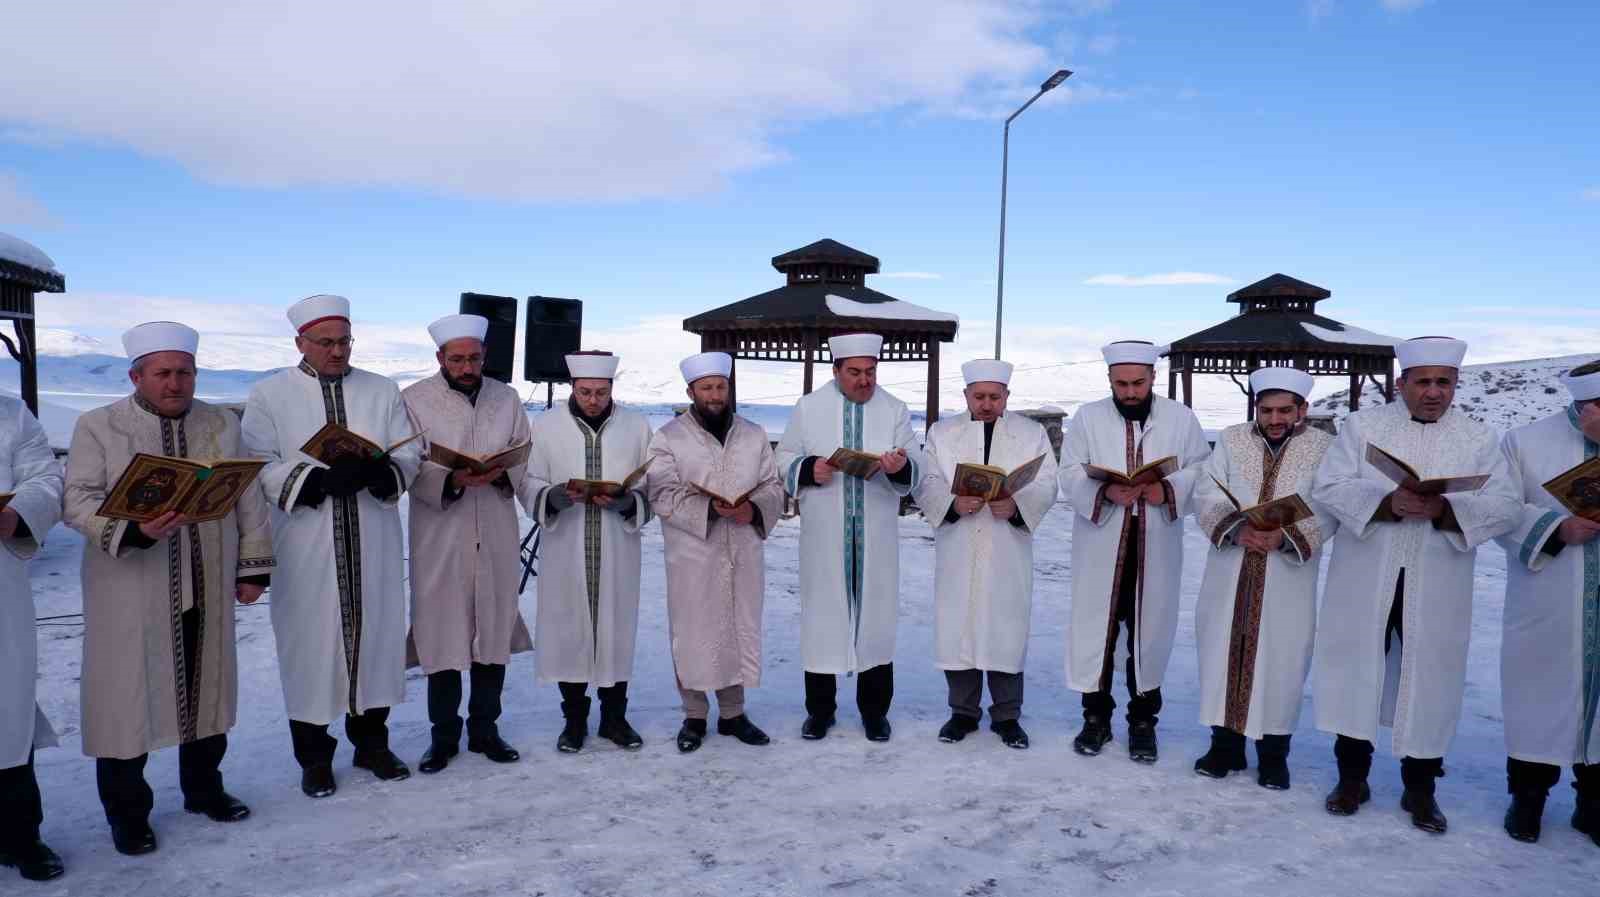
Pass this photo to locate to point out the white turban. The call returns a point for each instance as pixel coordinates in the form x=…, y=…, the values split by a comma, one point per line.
x=1583, y=387
x=593, y=365
x=987, y=370
x=1288, y=379
x=452, y=327
x=313, y=310
x=855, y=345
x=706, y=364
x=159, y=336
x=1131, y=352
x=1430, y=351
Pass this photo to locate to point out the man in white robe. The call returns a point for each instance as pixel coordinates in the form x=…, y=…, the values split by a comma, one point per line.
x=1257, y=610
x=588, y=616
x=714, y=550
x=28, y=470
x=849, y=533
x=158, y=650
x=465, y=555
x=983, y=553
x=1392, y=632
x=1127, y=544
x=338, y=601
x=1550, y=654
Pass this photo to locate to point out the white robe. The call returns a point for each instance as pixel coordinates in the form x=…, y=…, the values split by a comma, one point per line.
x=339, y=616
x=838, y=634
x=983, y=567
x=1417, y=687
x=28, y=468
x=1552, y=613
x=1100, y=435
x=582, y=634
x=1256, y=615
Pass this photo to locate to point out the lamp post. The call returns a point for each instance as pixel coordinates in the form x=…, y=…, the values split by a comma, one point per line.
x=1050, y=83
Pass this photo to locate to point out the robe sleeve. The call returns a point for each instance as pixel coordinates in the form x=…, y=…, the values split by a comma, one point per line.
x=283, y=477
x=933, y=492
x=1036, y=499
x=37, y=483
x=428, y=487
x=792, y=450
x=1493, y=510
x=1087, y=496
x=678, y=504
x=516, y=476
x=641, y=501
x=86, y=486
x=1303, y=540
x=407, y=459
x=1191, y=460
x=768, y=497
x=1217, y=516
x=1526, y=543
x=254, y=521
x=1350, y=498
x=536, y=485
x=904, y=438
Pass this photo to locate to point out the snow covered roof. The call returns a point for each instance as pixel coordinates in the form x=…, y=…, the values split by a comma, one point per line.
x=1285, y=331
x=825, y=306
x=24, y=262
x=894, y=309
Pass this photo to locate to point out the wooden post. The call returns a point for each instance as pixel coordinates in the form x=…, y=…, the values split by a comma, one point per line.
x=733, y=391
x=1188, y=387
x=1388, y=382
x=933, y=379
x=1355, y=391
x=810, y=339
x=1172, y=380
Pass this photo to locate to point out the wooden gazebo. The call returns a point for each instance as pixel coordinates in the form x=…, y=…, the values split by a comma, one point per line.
x=1277, y=326
x=826, y=295
x=24, y=271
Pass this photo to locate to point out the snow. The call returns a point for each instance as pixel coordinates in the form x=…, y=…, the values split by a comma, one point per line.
x=1503, y=395
x=16, y=249
x=894, y=310
x=1348, y=335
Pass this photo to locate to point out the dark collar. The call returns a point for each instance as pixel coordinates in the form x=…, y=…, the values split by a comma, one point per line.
x=308, y=370
x=593, y=423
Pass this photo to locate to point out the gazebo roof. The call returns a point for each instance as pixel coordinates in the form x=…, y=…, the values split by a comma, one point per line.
x=826, y=306
x=824, y=251
x=24, y=263
x=1286, y=331
x=1279, y=286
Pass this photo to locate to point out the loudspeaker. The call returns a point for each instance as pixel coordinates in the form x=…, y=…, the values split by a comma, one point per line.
x=500, y=345
x=555, y=330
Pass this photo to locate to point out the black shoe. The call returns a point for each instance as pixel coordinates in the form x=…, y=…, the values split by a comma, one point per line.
x=570, y=741
x=691, y=735
x=1142, y=740
x=220, y=807
x=618, y=732
x=1094, y=735
x=1272, y=762
x=436, y=758
x=1586, y=818
x=959, y=727
x=1524, y=816
x=317, y=781
x=1424, y=811
x=133, y=838
x=816, y=727
x=383, y=764
x=493, y=747
x=1226, y=754
x=1010, y=732
x=877, y=728
x=34, y=861
x=741, y=728
x=1347, y=797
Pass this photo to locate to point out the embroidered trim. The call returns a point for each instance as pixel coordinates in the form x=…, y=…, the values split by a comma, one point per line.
x=1244, y=637
x=1108, y=662
x=252, y=563
x=593, y=465
x=1591, y=624
x=854, y=514
x=1537, y=536
x=106, y=532
x=346, y=512
x=288, y=485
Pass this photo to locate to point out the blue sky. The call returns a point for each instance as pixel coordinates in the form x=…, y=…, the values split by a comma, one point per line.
x=1435, y=164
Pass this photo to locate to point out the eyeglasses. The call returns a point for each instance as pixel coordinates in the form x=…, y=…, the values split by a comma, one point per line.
x=474, y=360
x=326, y=344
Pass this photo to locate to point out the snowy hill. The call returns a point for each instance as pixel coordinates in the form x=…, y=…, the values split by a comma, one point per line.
x=1502, y=395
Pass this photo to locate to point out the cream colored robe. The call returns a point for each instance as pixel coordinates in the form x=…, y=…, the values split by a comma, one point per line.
x=716, y=576
x=28, y=468
x=465, y=560
x=135, y=692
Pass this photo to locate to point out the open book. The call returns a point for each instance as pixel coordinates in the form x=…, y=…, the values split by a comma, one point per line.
x=1578, y=490
x=988, y=482
x=1405, y=475
x=1280, y=512
x=152, y=485
x=478, y=465
x=729, y=502
x=591, y=488
x=333, y=442
x=1156, y=470
x=854, y=463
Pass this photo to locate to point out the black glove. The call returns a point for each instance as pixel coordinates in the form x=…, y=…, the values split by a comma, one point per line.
x=556, y=500
x=311, y=494
x=345, y=477
x=377, y=476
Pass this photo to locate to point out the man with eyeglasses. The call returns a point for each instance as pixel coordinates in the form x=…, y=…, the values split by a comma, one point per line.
x=338, y=597
x=465, y=559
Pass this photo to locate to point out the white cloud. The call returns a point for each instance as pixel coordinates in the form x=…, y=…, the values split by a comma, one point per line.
x=1592, y=194
x=1402, y=5
x=18, y=208
x=1317, y=10
x=911, y=275
x=1173, y=279
x=608, y=99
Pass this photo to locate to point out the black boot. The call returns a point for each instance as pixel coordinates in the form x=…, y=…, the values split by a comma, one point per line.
x=132, y=837
x=219, y=807
x=492, y=746
x=816, y=727
x=877, y=728
x=1586, y=811
x=741, y=728
x=32, y=859
x=1011, y=733
x=383, y=764
x=1417, y=799
x=576, y=710
x=436, y=758
x=1354, y=757
x=614, y=726
x=1226, y=754
x=959, y=727
x=1142, y=739
x=691, y=735
x=1094, y=735
x=1525, y=815
x=1272, y=762
x=317, y=781
x=1347, y=797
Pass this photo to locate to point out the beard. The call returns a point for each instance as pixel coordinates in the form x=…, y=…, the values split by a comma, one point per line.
x=463, y=382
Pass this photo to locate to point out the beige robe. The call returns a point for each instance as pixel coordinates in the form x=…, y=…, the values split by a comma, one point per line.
x=136, y=695
x=27, y=468
x=465, y=560
x=716, y=573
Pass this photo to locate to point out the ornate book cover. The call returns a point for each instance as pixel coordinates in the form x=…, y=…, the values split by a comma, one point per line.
x=152, y=485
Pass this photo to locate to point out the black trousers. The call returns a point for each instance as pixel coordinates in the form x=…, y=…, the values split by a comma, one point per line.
x=21, y=810
x=966, y=693
x=1524, y=775
x=613, y=698
x=368, y=733
x=483, y=707
x=874, y=692
x=1141, y=706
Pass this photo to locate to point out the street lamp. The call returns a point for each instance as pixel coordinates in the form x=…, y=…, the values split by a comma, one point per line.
x=1050, y=83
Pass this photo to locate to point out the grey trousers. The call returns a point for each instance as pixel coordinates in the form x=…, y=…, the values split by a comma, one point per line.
x=966, y=694
x=697, y=704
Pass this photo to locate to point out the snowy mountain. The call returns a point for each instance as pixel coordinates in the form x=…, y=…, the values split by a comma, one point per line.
x=1502, y=395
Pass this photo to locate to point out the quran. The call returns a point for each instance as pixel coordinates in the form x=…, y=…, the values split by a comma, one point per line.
x=722, y=499
x=152, y=485
x=854, y=463
x=1405, y=476
x=1270, y=515
x=478, y=465
x=592, y=488
x=333, y=443
x=1578, y=490
x=1156, y=470
x=988, y=482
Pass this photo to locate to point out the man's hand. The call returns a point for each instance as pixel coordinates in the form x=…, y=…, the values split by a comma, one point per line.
x=464, y=479
x=602, y=501
x=1122, y=496
x=163, y=526
x=822, y=471
x=8, y=523
x=743, y=513
x=967, y=504
x=1003, y=508
x=247, y=593
x=1261, y=541
x=892, y=462
x=1578, y=531
x=1589, y=420
x=1412, y=506
x=1154, y=493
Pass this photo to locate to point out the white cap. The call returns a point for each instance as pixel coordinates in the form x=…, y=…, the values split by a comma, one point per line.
x=706, y=364
x=986, y=370
x=592, y=365
x=1430, y=351
x=314, y=310
x=159, y=336
x=855, y=345
x=452, y=327
x=1583, y=387
x=1131, y=351
x=1288, y=379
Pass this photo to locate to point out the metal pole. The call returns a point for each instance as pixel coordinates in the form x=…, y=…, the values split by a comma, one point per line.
x=1005, y=164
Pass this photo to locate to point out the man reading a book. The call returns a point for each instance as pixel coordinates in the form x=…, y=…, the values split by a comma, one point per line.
x=1550, y=653
x=465, y=554
x=983, y=551
x=1391, y=642
x=1127, y=543
x=158, y=652
x=849, y=532
x=588, y=617
x=714, y=484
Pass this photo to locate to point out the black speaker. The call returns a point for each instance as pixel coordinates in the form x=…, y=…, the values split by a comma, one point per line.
x=500, y=345
x=555, y=329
